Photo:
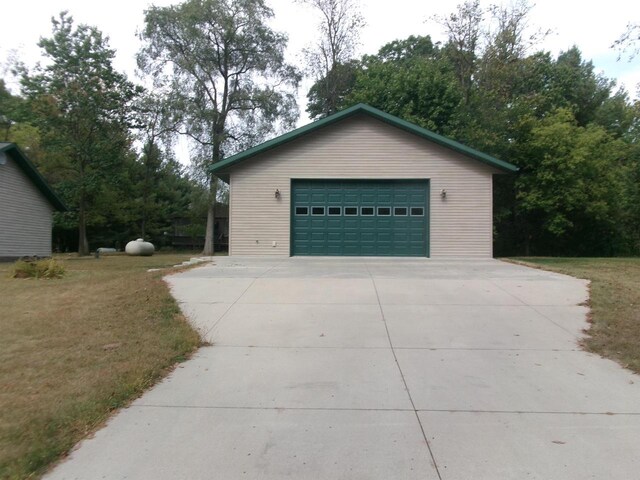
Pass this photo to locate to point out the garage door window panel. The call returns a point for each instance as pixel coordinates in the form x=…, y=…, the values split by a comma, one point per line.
x=319, y=211
x=400, y=211
x=351, y=211
x=367, y=211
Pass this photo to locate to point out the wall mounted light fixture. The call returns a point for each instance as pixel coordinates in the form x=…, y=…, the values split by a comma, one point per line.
x=443, y=193
x=277, y=194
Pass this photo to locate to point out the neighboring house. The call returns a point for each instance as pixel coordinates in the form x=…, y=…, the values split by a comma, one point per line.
x=26, y=206
x=361, y=182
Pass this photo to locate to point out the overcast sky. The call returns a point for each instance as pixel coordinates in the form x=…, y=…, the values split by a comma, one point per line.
x=591, y=25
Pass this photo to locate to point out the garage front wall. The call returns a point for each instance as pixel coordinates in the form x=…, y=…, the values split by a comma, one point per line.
x=362, y=147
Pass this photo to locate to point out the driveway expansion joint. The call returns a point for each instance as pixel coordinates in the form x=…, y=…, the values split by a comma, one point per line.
x=404, y=381
x=216, y=323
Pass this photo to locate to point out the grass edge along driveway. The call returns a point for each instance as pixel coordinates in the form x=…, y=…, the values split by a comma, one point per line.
x=75, y=349
x=614, y=301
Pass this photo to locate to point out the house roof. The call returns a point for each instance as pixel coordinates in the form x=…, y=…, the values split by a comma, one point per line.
x=361, y=108
x=31, y=171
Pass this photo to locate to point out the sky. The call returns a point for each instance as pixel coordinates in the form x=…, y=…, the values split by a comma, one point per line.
x=592, y=26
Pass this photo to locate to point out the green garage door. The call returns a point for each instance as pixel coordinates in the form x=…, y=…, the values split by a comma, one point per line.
x=360, y=217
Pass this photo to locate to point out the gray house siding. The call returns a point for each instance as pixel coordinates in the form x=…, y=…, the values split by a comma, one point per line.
x=25, y=215
x=362, y=148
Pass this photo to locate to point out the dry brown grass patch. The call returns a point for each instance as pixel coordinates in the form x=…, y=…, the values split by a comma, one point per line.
x=74, y=349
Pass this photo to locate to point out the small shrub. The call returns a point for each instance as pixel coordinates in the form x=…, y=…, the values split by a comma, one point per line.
x=46, y=268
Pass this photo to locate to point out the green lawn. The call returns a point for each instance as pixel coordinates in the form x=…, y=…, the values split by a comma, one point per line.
x=615, y=303
x=74, y=349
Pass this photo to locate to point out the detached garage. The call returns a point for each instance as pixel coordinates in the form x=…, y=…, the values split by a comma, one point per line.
x=361, y=182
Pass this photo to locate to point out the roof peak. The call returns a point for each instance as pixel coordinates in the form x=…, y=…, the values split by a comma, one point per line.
x=375, y=113
x=34, y=175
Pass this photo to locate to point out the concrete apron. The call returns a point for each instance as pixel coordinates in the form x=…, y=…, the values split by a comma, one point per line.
x=377, y=369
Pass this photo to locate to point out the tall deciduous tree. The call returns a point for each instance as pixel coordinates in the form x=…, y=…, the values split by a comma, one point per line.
x=82, y=108
x=329, y=59
x=464, y=33
x=229, y=80
x=157, y=124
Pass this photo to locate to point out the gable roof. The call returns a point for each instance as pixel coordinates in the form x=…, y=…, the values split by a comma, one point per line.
x=12, y=150
x=362, y=108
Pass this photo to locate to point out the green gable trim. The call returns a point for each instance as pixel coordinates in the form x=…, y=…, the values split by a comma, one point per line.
x=12, y=150
x=361, y=108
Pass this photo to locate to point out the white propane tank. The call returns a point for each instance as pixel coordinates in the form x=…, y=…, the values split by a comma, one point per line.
x=139, y=248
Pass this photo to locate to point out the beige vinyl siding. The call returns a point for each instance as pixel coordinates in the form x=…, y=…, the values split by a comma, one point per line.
x=361, y=148
x=25, y=215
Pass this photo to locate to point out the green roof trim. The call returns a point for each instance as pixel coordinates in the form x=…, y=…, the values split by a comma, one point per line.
x=12, y=150
x=361, y=108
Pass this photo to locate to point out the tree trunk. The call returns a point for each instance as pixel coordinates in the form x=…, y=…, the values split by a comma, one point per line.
x=83, y=244
x=211, y=218
x=527, y=246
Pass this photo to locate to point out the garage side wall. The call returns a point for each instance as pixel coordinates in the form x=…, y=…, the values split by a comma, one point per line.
x=362, y=148
x=25, y=215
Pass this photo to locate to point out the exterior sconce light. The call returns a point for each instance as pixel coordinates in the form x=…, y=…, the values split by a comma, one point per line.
x=443, y=193
x=277, y=194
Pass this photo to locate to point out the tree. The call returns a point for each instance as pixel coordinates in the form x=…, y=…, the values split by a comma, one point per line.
x=569, y=188
x=227, y=75
x=410, y=79
x=15, y=124
x=329, y=93
x=329, y=60
x=629, y=42
x=157, y=126
x=574, y=84
x=464, y=32
x=82, y=107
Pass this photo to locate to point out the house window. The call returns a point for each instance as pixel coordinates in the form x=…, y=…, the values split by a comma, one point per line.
x=317, y=210
x=334, y=211
x=302, y=210
x=417, y=211
x=400, y=211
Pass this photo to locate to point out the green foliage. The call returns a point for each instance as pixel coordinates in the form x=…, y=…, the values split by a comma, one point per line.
x=81, y=107
x=45, y=268
x=410, y=79
x=569, y=186
x=329, y=92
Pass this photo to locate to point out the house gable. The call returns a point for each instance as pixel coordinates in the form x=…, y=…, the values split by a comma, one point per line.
x=222, y=168
x=11, y=150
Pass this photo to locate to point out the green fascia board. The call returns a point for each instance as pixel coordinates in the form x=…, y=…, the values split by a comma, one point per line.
x=222, y=166
x=34, y=175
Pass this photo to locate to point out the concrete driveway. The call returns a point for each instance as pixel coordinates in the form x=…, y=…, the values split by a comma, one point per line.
x=377, y=369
